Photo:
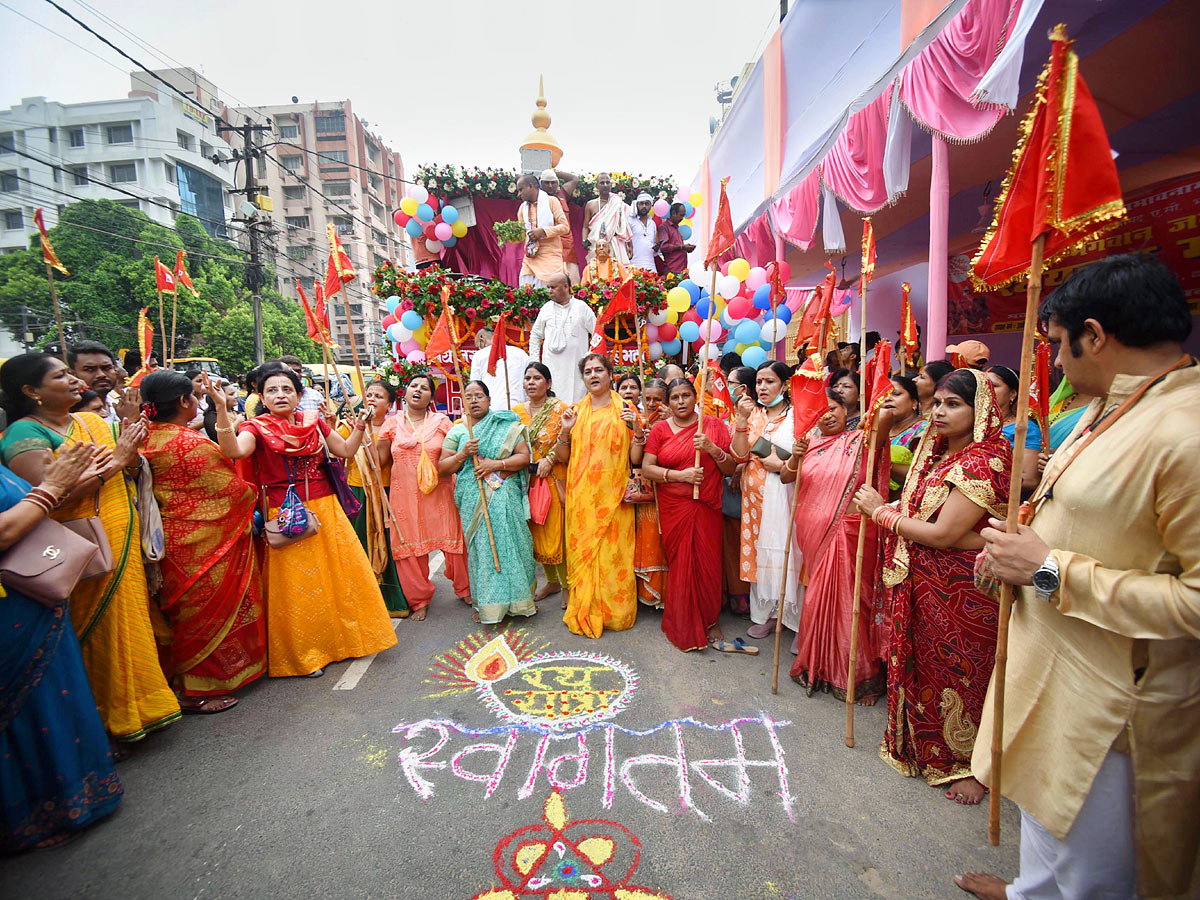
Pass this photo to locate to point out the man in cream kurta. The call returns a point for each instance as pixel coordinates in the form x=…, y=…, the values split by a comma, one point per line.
x=545, y=224
x=1102, y=705
x=561, y=336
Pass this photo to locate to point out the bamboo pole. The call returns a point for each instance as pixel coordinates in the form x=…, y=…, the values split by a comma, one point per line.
x=1033, y=294
x=162, y=331
x=858, y=567
x=712, y=306
x=787, y=552
x=174, y=319
x=62, y=338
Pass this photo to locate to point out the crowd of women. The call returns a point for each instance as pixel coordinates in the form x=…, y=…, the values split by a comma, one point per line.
x=282, y=543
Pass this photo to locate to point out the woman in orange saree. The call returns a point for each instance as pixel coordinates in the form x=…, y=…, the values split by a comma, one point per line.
x=649, y=556
x=211, y=591
x=600, y=530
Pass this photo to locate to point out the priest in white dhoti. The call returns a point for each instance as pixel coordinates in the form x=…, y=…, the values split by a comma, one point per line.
x=609, y=215
x=561, y=336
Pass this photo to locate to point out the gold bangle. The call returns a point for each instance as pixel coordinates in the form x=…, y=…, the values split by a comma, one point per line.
x=219, y=430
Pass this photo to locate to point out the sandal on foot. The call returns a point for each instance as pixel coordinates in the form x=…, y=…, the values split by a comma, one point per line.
x=210, y=705
x=316, y=673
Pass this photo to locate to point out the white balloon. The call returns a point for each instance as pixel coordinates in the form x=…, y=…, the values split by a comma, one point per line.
x=709, y=352
x=405, y=335
x=657, y=317
x=433, y=246
x=725, y=320
x=728, y=286
x=654, y=350
x=418, y=193
x=773, y=330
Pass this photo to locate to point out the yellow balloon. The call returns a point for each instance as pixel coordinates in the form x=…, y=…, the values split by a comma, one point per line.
x=687, y=222
x=672, y=316
x=679, y=299
x=421, y=335
x=409, y=206
x=696, y=199
x=459, y=228
x=739, y=269
x=738, y=348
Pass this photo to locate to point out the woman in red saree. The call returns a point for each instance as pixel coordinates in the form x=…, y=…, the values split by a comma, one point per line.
x=211, y=592
x=834, y=466
x=943, y=634
x=692, y=531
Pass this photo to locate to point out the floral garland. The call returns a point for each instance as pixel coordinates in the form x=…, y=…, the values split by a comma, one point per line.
x=486, y=182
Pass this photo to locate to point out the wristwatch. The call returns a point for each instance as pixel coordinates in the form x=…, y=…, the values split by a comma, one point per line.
x=1045, y=579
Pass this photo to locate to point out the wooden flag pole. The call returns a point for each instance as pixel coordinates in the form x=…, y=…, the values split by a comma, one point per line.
x=62, y=338
x=162, y=330
x=174, y=318
x=712, y=305
x=787, y=552
x=858, y=570
x=1033, y=294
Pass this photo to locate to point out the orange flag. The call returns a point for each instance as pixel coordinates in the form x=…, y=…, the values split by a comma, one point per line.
x=1039, y=389
x=316, y=329
x=722, y=234
x=442, y=338
x=319, y=309
x=719, y=388
x=181, y=276
x=145, y=336
x=340, y=269
x=164, y=281
x=868, y=251
x=816, y=313
x=877, y=385
x=1063, y=181
x=48, y=253
x=809, y=400
x=499, y=348
x=909, y=339
x=623, y=302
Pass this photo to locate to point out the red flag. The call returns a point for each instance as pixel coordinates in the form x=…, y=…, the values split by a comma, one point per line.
x=48, y=253
x=778, y=295
x=1039, y=389
x=719, y=388
x=442, y=338
x=499, y=348
x=145, y=336
x=340, y=270
x=319, y=310
x=722, y=234
x=622, y=302
x=877, y=385
x=809, y=400
x=816, y=312
x=1063, y=180
x=315, y=327
x=181, y=275
x=164, y=281
x=909, y=339
x=868, y=251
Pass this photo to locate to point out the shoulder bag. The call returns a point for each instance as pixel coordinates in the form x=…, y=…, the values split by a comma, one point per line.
x=47, y=562
x=295, y=521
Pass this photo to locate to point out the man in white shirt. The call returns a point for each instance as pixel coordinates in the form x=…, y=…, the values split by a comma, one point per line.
x=645, y=234
x=561, y=336
x=516, y=358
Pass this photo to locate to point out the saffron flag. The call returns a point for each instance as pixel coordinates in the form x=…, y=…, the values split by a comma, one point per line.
x=910, y=340
x=48, y=253
x=622, y=302
x=778, y=295
x=1039, y=390
x=442, y=338
x=809, y=400
x=720, y=388
x=181, y=276
x=499, y=348
x=316, y=328
x=145, y=337
x=164, y=281
x=868, y=251
x=1063, y=180
x=340, y=270
x=877, y=385
x=816, y=313
x=722, y=234
x=319, y=310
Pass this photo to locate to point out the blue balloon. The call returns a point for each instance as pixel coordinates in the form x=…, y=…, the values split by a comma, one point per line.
x=394, y=332
x=747, y=331
x=693, y=289
x=449, y=215
x=702, y=307
x=762, y=296
x=450, y=241
x=729, y=346
x=391, y=303
x=754, y=356
x=413, y=227
x=688, y=209
x=689, y=331
x=782, y=313
x=685, y=231
x=671, y=347
x=424, y=213
x=411, y=320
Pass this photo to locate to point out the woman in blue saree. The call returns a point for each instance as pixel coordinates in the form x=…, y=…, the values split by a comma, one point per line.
x=493, y=461
x=56, y=767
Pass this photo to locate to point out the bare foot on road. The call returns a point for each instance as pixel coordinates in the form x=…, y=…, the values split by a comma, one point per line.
x=966, y=791
x=548, y=591
x=418, y=615
x=982, y=885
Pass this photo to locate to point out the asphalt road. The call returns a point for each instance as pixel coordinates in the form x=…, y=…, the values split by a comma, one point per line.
x=305, y=791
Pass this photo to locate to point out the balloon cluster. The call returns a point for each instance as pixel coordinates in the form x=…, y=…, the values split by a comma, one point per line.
x=427, y=219
x=408, y=331
x=743, y=321
x=662, y=208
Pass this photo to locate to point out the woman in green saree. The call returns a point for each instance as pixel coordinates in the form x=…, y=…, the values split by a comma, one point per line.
x=492, y=461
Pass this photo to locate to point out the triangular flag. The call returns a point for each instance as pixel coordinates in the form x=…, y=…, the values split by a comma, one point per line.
x=722, y=234
x=163, y=279
x=877, y=385
x=315, y=328
x=181, y=276
x=910, y=340
x=340, y=270
x=145, y=336
x=48, y=253
x=499, y=348
x=1063, y=181
x=319, y=310
x=868, y=251
x=809, y=400
x=623, y=302
x=442, y=338
x=816, y=312
x=720, y=388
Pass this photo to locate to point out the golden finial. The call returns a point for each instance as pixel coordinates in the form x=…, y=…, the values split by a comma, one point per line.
x=540, y=138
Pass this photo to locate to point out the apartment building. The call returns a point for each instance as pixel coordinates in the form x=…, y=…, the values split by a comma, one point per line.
x=151, y=152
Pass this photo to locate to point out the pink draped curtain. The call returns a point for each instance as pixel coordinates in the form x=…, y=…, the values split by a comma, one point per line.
x=853, y=170
x=796, y=212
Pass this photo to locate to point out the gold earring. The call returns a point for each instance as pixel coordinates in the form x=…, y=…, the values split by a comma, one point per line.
x=39, y=400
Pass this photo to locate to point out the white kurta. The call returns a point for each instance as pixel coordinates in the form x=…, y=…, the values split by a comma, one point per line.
x=560, y=338
x=517, y=361
x=772, y=541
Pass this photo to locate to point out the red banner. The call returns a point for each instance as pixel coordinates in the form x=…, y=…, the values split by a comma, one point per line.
x=1164, y=219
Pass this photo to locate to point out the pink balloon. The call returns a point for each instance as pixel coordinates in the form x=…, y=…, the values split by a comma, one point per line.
x=725, y=267
x=409, y=346
x=651, y=333
x=757, y=278
x=713, y=334
x=443, y=232
x=416, y=356
x=667, y=332
x=739, y=308
x=682, y=197
x=661, y=208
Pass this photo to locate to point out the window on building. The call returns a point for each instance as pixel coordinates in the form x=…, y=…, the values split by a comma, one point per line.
x=13, y=220
x=57, y=175
x=122, y=173
x=129, y=204
x=76, y=137
x=6, y=142
x=204, y=197
x=8, y=182
x=205, y=150
x=294, y=191
x=307, y=282
x=344, y=225
x=184, y=140
x=380, y=237
x=336, y=188
x=292, y=163
x=372, y=153
x=80, y=175
x=335, y=156
x=377, y=210
x=288, y=132
x=379, y=260
x=330, y=124
x=297, y=221
x=120, y=134
x=52, y=135
x=171, y=176
x=299, y=252
x=262, y=167
x=376, y=182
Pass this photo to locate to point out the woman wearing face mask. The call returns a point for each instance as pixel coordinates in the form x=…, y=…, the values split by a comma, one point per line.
x=649, y=558
x=832, y=467
x=424, y=518
x=766, y=501
x=542, y=417
x=943, y=633
x=1006, y=386
x=599, y=439
x=491, y=462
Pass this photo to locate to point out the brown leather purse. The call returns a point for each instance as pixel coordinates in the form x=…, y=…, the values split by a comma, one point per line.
x=49, y=561
x=92, y=530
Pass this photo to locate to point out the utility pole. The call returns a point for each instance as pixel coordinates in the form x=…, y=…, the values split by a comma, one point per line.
x=26, y=334
x=254, y=273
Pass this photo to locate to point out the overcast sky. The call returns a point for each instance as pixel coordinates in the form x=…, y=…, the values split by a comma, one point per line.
x=629, y=82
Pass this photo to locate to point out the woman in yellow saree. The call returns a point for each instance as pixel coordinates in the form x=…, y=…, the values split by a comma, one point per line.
x=111, y=614
x=599, y=527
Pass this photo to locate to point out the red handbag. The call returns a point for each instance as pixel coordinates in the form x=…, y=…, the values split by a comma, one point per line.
x=539, y=500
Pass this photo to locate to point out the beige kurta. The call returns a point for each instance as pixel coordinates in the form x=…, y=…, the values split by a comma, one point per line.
x=549, y=259
x=1124, y=525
